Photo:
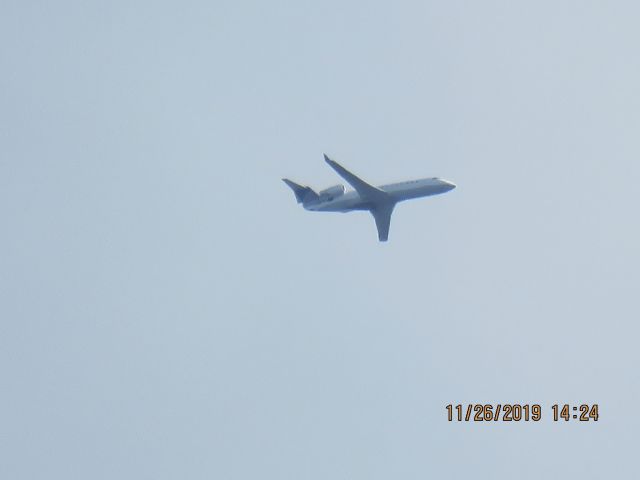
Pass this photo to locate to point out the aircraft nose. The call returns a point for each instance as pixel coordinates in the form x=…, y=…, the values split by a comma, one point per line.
x=449, y=185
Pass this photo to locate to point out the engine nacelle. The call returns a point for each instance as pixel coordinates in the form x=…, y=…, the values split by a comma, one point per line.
x=331, y=192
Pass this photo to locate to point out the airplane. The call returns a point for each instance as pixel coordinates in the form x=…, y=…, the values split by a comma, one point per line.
x=380, y=201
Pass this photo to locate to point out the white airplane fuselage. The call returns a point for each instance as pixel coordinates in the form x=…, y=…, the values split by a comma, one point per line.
x=380, y=201
x=398, y=192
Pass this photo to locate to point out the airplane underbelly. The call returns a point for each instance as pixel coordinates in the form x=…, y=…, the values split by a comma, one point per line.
x=342, y=205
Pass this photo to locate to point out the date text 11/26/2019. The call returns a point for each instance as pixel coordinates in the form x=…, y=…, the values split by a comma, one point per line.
x=516, y=412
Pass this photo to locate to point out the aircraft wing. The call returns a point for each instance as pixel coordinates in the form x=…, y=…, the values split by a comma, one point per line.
x=382, y=215
x=366, y=191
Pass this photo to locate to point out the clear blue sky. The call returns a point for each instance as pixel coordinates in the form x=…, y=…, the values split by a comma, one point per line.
x=167, y=310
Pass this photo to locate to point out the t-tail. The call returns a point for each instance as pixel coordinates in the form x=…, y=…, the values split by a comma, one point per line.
x=303, y=194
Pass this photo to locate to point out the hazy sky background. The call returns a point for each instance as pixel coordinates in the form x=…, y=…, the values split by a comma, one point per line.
x=168, y=311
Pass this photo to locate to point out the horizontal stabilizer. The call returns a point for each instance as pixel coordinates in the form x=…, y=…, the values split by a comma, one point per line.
x=303, y=194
